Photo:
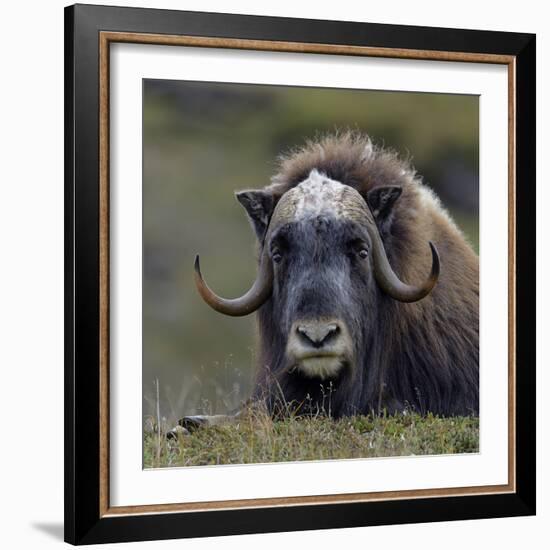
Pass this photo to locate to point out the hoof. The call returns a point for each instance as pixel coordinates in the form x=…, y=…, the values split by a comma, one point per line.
x=176, y=432
x=191, y=423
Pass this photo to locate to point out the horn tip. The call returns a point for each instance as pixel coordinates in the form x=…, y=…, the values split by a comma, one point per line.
x=197, y=266
x=436, y=264
x=435, y=255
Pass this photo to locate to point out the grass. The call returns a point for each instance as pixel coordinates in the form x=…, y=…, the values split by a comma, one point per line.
x=257, y=438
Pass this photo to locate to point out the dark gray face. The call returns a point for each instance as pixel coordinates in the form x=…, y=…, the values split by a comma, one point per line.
x=322, y=277
x=323, y=285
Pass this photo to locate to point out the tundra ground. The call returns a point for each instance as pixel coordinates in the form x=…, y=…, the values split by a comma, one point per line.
x=258, y=439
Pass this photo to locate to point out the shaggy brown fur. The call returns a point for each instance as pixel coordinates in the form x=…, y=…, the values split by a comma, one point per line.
x=429, y=349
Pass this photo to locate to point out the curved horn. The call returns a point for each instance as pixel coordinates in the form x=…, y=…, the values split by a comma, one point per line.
x=249, y=302
x=388, y=280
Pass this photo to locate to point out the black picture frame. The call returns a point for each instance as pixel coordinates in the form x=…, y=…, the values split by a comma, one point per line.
x=84, y=523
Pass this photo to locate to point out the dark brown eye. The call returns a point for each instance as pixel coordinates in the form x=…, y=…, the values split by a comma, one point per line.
x=276, y=256
x=363, y=253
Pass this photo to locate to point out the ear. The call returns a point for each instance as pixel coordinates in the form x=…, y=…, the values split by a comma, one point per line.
x=259, y=206
x=381, y=201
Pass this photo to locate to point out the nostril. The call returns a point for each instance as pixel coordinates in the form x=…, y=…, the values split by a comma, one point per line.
x=306, y=336
x=332, y=332
x=317, y=334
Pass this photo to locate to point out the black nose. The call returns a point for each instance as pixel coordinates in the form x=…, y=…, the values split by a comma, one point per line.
x=318, y=333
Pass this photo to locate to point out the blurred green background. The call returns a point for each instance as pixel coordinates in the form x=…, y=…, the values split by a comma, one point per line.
x=201, y=142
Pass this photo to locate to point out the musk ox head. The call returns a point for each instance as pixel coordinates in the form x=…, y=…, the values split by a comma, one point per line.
x=322, y=270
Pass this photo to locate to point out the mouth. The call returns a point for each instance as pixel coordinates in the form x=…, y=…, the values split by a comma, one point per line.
x=322, y=366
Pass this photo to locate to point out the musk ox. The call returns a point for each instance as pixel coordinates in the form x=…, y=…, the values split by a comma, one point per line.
x=350, y=295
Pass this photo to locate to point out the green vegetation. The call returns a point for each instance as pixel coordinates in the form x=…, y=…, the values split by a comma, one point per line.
x=256, y=438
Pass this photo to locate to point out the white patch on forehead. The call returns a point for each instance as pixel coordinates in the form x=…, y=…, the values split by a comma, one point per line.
x=318, y=195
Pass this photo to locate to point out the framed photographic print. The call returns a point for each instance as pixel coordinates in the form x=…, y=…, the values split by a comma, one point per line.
x=300, y=284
